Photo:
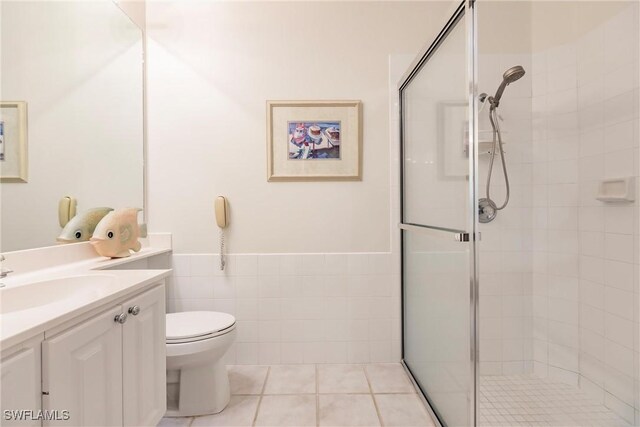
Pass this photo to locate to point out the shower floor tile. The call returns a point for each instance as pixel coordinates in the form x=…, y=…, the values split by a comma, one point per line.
x=527, y=400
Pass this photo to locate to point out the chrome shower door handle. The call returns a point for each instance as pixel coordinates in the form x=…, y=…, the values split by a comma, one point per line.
x=462, y=237
x=466, y=237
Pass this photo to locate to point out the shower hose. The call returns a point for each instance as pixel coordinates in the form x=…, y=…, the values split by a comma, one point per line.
x=497, y=143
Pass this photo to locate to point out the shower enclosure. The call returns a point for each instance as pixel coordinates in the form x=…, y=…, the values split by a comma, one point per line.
x=530, y=318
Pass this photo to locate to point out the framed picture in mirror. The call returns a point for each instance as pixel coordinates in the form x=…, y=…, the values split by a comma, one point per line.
x=13, y=141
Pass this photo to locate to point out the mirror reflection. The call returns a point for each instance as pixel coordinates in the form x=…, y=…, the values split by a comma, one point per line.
x=76, y=68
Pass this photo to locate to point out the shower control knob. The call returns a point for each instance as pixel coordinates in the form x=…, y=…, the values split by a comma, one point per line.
x=134, y=310
x=487, y=210
x=120, y=318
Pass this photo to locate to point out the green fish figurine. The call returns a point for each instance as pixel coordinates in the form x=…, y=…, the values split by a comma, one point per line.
x=80, y=228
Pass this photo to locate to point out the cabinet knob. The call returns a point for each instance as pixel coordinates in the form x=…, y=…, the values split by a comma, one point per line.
x=134, y=310
x=120, y=318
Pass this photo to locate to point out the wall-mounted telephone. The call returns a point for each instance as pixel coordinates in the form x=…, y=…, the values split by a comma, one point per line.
x=222, y=219
x=66, y=210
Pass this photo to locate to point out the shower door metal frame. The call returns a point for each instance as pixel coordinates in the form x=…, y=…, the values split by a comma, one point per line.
x=466, y=10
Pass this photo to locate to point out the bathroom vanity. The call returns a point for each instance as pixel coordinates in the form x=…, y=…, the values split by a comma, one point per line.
x=82, y=338
x=83, y=344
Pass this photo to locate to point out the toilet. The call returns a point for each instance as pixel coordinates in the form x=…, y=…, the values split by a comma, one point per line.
x=197, y=380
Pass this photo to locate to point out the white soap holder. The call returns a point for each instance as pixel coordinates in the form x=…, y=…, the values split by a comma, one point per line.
x=617, y=190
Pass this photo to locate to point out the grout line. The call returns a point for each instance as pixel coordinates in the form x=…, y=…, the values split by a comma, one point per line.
x=329, y=393
x=394, y=393
x=373, y=396
x=264, y=386
x=317, y=397
x=313, y=393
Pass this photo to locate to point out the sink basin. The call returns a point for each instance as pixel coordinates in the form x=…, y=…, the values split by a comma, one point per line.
x=38, y=294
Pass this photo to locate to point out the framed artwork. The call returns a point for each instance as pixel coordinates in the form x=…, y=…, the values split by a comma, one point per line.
x=13, y=141
x=314, y=140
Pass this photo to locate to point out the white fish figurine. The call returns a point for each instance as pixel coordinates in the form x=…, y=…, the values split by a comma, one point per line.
x=117, y=233
x=81, y=227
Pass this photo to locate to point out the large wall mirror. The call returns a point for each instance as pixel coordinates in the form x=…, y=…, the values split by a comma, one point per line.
x=71, y=86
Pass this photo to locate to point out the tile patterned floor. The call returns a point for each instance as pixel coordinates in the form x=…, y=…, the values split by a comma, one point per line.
x=316, y=395
x=526, y=400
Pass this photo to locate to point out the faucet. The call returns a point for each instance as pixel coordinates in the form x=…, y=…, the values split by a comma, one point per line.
x=4, y=272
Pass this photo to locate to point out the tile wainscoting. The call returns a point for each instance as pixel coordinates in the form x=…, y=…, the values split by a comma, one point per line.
x=297, y=308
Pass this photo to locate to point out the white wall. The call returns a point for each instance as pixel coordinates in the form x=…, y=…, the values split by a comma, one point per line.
x=77, y=65
x=213, y=65
x=585, y=111
x=311, y=276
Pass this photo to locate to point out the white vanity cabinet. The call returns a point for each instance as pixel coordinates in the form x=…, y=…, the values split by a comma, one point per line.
x=144, y=359
x=82, y=373
x=20, y=384
x=109, y=370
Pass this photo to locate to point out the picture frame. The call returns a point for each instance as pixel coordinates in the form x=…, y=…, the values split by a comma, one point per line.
x=453, y=140
x=14, y=160
x=314, y=140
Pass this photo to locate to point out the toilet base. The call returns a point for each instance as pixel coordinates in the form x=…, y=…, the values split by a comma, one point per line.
x=203, y=390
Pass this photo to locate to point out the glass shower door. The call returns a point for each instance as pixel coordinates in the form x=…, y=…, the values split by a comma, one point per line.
x=438, y=224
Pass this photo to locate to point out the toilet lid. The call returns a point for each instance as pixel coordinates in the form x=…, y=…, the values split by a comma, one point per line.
x=193, y=324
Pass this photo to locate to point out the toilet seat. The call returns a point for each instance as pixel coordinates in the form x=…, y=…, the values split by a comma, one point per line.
x=193, y=326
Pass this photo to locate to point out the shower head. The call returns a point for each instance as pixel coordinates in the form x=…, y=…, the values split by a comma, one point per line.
x=513, y=74
x=509, y=76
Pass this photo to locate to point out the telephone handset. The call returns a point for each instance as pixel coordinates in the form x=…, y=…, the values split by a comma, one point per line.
x=221, y=211
x=66, y=210
x=222, y=219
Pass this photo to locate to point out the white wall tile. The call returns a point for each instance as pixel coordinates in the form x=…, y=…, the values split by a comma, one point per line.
x=246, y=265
x=181, y=265
x=269, y=331
x=291, y=352
x=247, y=353
x=268, y=286
x=336, y=352
x=247, y=309
x=224, y=305
x=619, y=302
x=619, y=275
x=618, y=247
x=358, y=264
x=290, y=265
x=246, y=287
x=268, y=265
x=223, y=287
x=335, y=264
x=358, y=352
x=203, y=265
x=269, y=353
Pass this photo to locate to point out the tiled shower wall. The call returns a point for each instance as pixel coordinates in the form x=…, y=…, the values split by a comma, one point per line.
x=505, y=247
x=585, y=261
x=298, y=308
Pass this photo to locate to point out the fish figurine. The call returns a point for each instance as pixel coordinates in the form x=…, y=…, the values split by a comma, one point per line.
x=80, y=228
x=118, y=232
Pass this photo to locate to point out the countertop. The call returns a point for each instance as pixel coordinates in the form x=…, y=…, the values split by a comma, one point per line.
x=19, y=326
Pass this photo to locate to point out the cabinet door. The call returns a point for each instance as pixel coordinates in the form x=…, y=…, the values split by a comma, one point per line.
x=82, y=372
x=20, y=385
x=144, y=359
